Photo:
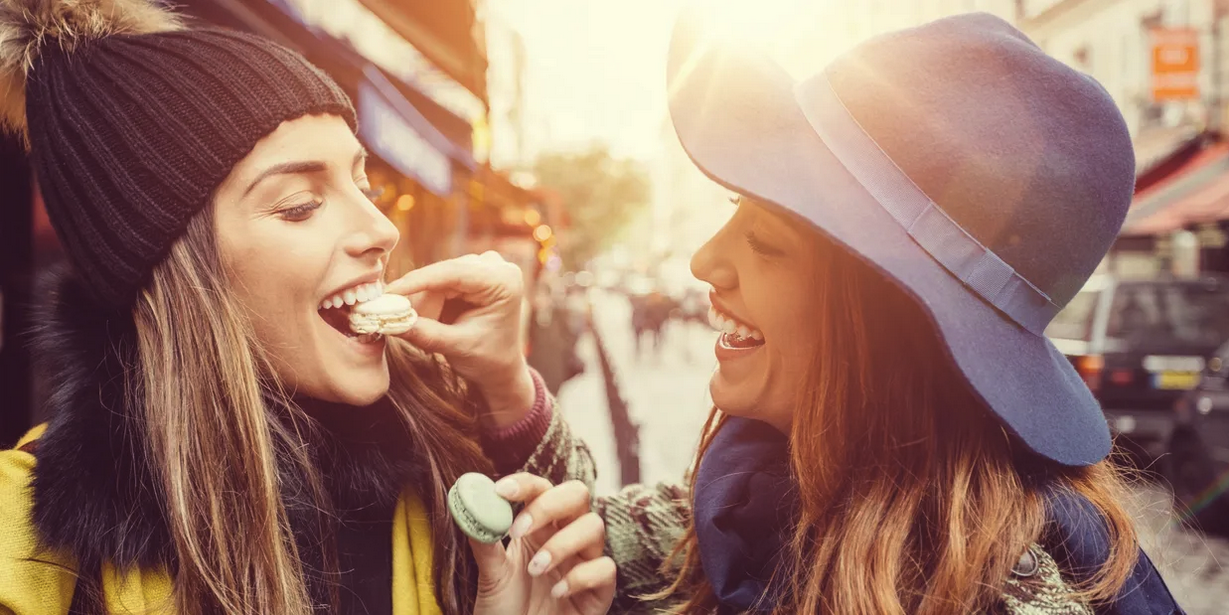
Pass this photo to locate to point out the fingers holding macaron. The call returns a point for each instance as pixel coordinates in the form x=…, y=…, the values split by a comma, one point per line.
x=556, y=523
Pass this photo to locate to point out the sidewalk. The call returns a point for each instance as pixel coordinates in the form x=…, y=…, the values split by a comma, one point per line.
x=582, y=402
x=667, y=393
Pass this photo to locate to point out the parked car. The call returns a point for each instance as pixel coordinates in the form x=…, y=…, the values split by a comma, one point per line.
x=1141, y=346
x=1198, y=463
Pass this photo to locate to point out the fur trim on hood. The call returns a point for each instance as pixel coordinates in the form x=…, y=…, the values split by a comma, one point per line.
x=95, y=494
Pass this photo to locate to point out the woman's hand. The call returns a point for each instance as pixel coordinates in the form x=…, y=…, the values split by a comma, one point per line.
x=484, y=343
x=553, y=564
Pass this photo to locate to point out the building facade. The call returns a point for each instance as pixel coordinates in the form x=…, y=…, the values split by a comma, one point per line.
x=1111, y=40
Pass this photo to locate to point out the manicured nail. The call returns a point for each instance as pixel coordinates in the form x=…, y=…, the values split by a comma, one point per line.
x=521, y=527
x=507, y=488
x=538, y=564
x=559, y=590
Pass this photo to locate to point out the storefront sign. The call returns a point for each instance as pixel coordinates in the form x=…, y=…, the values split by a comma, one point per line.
x=389, y=134
x=1175, y=64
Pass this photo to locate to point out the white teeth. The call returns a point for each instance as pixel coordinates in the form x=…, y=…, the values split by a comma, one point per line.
x=358, y=294
x=729, y=326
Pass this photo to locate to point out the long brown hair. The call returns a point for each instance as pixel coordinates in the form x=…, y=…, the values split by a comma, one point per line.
x=913, y=499
x=220, y=428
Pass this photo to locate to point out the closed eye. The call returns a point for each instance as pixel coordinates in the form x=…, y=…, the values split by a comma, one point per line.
x=759, y=246
x=299, y=213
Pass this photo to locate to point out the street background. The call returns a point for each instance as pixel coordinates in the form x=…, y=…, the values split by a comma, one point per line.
x=538, y=129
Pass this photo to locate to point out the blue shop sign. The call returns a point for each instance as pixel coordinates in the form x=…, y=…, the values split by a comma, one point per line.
x=389, y=134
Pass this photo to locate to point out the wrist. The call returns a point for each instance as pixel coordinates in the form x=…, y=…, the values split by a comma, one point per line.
x=509, y=399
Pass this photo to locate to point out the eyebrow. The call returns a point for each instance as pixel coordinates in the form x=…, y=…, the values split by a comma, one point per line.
x=300, y=167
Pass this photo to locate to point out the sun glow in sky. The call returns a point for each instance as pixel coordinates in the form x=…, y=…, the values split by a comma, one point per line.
x=596, y=68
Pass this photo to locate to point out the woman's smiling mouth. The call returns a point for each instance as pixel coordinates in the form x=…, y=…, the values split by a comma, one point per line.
x=735, y=334
x=335, y=309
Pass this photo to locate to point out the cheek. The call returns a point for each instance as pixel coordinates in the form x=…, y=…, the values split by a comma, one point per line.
x=785, y=314
x=786, y=322
x=276, y=272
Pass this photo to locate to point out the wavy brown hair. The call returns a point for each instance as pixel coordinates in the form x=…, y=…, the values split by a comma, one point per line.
x=220, y=429
x=913, y=498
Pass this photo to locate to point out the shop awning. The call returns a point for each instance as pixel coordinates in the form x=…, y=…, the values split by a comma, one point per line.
x=1196, y=192
x=444, y=31
x=1155, y=146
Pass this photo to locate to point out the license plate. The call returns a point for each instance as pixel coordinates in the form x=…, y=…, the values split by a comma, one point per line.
x=1175, y=381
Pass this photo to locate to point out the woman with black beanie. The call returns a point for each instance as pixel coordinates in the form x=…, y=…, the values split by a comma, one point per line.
x=220, y=442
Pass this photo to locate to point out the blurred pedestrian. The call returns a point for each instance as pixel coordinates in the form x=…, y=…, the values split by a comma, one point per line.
x=892, y=432
x=221, y=442
x=554, y=331
x=639, y=318
x=657, y=308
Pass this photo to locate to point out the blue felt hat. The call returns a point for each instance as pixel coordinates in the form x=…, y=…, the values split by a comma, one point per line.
x=984, y=177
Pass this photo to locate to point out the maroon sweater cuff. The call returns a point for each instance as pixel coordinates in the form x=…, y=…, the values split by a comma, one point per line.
x=510, y=447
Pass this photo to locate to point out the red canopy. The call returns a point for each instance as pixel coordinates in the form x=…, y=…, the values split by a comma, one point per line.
x=1195, y=192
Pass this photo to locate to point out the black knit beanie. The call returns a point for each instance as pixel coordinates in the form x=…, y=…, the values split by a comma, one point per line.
x=133, y=121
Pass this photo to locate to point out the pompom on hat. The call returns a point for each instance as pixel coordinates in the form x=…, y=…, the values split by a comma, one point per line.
x=132, y=121
x=985, y=178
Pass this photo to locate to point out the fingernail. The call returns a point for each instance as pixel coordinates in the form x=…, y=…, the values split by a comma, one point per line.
x=538, y=564
x=521, y=527
x=507, y=488
x=559, y=590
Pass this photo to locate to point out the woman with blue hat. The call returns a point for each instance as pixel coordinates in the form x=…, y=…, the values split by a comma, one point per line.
x=892, y=432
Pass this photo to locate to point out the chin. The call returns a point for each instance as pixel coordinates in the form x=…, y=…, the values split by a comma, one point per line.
x=730, y=400
x=359, y=389
x=364, y=398
x=749, y=403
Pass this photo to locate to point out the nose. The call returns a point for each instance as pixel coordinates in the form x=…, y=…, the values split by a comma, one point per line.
x=373, y=232
x=709, y=265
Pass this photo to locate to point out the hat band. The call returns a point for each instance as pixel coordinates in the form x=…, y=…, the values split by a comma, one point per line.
x=979, y=268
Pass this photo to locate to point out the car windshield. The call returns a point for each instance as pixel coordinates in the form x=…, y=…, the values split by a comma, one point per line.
x=1170, y=316
x=1075, y=321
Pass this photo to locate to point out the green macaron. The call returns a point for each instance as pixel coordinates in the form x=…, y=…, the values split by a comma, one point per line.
x=478, y=510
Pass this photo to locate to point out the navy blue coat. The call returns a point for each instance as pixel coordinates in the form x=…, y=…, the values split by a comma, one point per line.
x=1078, y=541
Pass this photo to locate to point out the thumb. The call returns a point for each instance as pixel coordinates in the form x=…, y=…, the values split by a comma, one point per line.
x=433, y=336
x=492, y=564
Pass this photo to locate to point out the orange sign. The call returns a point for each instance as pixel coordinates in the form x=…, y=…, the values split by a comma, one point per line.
x=1175, y=64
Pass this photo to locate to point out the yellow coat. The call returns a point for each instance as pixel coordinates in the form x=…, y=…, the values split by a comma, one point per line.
x=45, y=587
